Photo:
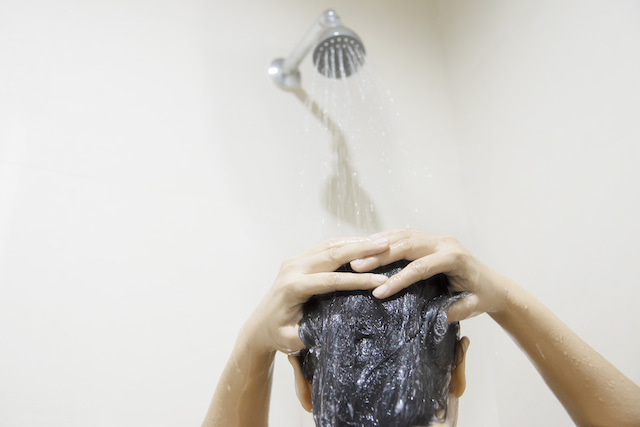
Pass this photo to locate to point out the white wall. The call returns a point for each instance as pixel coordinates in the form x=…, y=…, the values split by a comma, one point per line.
x=152, y=179
x=545, y=98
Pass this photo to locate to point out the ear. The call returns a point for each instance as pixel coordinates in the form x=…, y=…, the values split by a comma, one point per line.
x=303, y=387
x=458, y=378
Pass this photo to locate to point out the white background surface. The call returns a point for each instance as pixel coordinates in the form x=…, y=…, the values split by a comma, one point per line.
x=152, y=179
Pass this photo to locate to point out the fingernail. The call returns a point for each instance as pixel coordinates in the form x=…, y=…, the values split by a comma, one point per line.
x=381, y=291
x=379, y=279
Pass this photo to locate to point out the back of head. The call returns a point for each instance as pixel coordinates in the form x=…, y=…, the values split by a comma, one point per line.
x=379, y=362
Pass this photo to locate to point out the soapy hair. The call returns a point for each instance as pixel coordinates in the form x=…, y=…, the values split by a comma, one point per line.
x=379, y=362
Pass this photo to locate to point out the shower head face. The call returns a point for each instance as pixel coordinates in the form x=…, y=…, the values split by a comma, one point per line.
x=340, y=53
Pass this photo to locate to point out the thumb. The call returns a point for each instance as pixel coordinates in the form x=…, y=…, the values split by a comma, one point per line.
x=290, y=340
x=464, y=308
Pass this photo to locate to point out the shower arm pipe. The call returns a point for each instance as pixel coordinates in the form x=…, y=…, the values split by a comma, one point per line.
x=285, y=70
x=328, y=19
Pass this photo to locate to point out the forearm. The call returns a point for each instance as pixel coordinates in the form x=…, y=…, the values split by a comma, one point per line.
x=244, y=390
x=591, y=389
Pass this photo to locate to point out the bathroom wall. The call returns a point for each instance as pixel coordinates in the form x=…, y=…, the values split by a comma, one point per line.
x=545, y=97
x=153, y=178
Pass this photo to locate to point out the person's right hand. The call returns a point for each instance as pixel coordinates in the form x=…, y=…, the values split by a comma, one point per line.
x=436, y=253
x=274, y=324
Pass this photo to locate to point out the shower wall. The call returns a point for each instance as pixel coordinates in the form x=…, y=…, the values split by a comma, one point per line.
x=545, y=97
x=153, y=178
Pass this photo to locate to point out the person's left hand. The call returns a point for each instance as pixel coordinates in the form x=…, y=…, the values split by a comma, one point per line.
x=274, y=324
x=485, y=289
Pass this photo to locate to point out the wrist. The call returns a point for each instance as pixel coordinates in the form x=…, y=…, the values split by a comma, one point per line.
x=512, y=299
x=254, y=337
x=506, y=293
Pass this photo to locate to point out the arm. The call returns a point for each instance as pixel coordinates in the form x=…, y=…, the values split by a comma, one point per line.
x=593, y=391
x=244, y=389
x=243, y=392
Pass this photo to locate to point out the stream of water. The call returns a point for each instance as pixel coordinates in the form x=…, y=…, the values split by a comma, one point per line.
x=356, y=115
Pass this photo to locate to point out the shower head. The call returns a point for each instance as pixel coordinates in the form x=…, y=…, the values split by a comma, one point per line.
x=338, y=52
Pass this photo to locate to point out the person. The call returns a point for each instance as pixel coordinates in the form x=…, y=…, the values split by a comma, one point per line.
x=592, y=390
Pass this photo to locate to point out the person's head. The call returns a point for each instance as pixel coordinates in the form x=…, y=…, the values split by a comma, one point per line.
x=392, y=362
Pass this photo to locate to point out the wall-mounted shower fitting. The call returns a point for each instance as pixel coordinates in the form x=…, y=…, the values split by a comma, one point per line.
x=338, y=52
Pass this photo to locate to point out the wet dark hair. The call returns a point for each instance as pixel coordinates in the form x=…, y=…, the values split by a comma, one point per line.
x=379, y=362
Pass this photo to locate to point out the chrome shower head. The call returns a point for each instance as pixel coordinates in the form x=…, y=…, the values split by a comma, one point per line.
x=338, y=52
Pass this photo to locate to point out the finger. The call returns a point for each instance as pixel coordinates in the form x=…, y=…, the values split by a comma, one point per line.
x=464, y=309
x=337, y=253
x=324, y=283
x=334, y=242
x=420, y=269
x=403, y=244
x=425, y=239
x=342, y=241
